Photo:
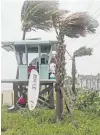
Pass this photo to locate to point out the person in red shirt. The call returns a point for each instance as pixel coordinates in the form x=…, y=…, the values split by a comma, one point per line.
x=22, y=100
x=30, y=68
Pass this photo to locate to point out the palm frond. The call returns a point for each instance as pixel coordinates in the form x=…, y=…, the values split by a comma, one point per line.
x=38, y=14
x=79, y=24
x=58, y=16
x=83, y=51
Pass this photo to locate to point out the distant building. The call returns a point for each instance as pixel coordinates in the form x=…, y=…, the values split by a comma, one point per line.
x=89, y=81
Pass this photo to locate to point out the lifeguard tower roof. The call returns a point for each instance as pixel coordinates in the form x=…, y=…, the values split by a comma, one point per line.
x=9, y=46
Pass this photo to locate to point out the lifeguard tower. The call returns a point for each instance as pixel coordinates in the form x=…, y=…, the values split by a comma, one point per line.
x=40, y=53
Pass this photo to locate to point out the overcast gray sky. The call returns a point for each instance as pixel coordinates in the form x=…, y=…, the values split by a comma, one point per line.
x=11, y=30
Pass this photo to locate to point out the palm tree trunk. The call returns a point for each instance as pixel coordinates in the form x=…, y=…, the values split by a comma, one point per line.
x=24, y=34
x=60, y=73
x=59, y=104
x=73, y=75
x=23, y=38
x=20, y=54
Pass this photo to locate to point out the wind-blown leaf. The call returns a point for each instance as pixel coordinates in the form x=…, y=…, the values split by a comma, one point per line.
x=38, y=14
x=79, y=24
x=58, y=16
x=83, y=51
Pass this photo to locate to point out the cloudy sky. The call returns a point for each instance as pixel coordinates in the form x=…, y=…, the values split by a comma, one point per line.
x=11, y=31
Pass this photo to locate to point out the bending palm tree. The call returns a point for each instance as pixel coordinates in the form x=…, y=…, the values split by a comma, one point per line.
x=73, y=26
x=83, y=51
x=45, y=14
x=37, y=15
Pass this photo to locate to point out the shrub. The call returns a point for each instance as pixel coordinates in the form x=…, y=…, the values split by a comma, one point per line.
x=89, y=101
x=42, y=122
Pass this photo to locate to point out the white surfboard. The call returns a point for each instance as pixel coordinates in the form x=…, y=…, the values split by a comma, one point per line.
x=33, y=89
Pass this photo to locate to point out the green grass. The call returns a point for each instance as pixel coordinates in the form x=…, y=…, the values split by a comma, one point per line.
x=42, y=122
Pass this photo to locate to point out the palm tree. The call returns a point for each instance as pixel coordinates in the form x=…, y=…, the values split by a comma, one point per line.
x=73, y=26
x=37, y=15
x=83, y=51
x=46, y=15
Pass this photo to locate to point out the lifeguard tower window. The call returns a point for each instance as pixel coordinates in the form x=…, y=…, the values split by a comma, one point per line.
x=45, y=49
x=33, y=55
x=45, y=56
x=21, y=55
x=46, y=61
x=32, y=49
x=42, y=60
